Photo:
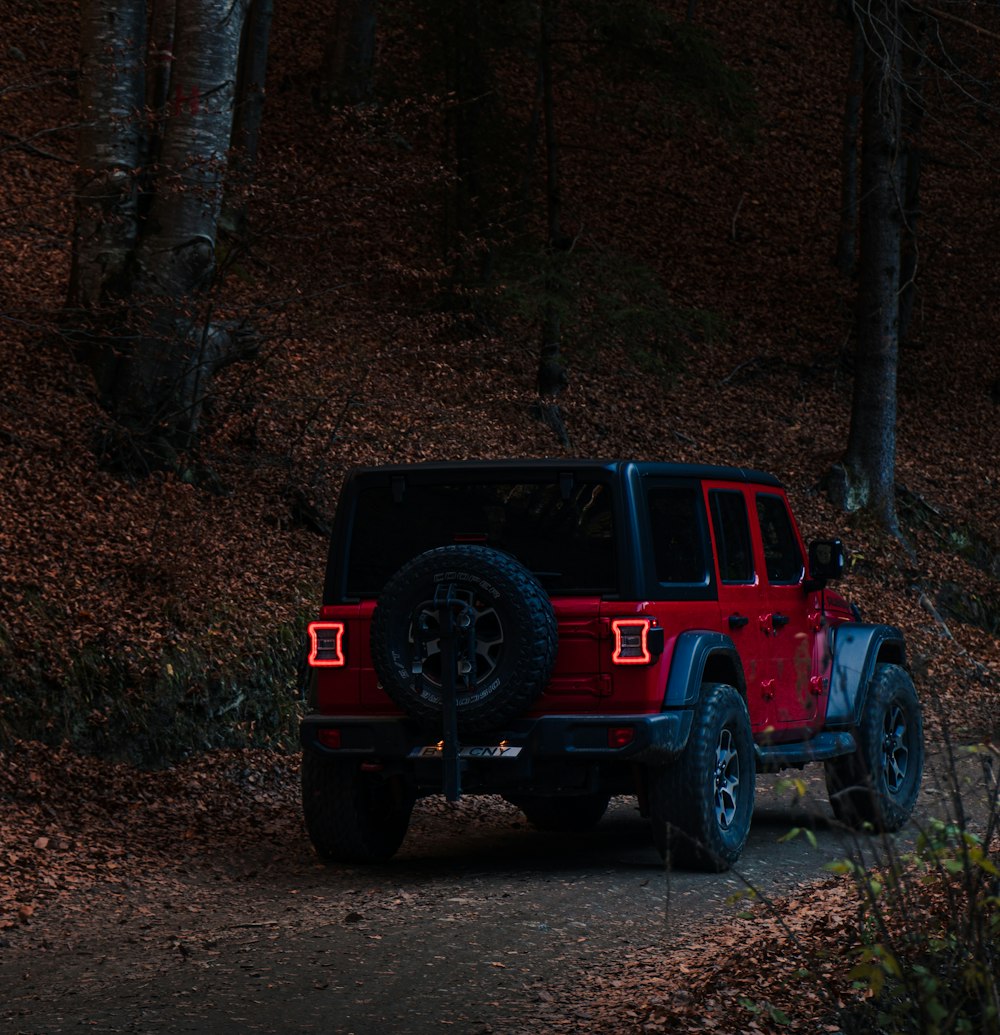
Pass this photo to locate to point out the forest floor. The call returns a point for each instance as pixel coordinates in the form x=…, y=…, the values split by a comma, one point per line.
x=190, y=900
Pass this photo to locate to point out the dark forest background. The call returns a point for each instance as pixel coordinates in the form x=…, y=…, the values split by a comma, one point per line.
x=245, y=247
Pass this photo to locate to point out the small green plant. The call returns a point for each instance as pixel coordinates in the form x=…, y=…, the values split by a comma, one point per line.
x=764, y=1009
x=929, y=919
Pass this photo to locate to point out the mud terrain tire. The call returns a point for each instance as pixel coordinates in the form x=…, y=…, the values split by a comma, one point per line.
x=878, y=785
x=352, y=816
x=701, y=804
x=515, y=626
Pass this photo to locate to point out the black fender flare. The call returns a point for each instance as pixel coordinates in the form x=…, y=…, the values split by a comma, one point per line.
x=692, y=654
x=856, y=650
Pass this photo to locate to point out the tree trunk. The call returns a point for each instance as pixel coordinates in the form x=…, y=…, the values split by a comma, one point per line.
x=867, y=475
x=161, y=57
x=348, y=75
x=913, y=117
x=551, y=373
x=469, y=118
x=249, y=110
x=148, y=204
x=162, y=381
x=847, y=237
x=112, y=44
x=552, y=377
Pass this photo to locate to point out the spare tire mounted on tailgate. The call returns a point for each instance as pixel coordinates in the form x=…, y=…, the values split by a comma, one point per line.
x=504, y=662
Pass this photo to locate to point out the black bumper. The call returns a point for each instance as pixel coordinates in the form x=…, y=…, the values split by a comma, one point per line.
x=551, y=738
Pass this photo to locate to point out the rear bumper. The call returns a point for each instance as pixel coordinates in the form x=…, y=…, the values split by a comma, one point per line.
x=551, y=738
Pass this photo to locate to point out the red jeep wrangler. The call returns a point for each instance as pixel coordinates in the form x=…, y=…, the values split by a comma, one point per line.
x=561, y=631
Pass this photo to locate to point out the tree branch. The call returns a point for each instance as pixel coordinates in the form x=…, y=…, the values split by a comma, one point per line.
x=978, y=29
x=20, y=143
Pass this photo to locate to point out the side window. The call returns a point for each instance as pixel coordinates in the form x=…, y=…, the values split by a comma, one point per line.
x=678, y=530
x=732, y=534
x=781, y=549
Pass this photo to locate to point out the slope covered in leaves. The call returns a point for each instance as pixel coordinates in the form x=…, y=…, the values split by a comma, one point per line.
x=128, y=602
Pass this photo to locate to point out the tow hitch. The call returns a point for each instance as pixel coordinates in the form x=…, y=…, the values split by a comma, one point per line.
x=456, y=635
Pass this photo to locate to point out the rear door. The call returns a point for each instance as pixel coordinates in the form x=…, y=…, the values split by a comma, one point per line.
x=786, y=619
x=742, y=599
x=680, y=580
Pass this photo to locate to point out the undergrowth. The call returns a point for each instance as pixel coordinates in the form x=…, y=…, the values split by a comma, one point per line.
x=928, y=957
x=130, y=706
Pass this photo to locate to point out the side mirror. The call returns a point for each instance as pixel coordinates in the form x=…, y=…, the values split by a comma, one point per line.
x=826, y=559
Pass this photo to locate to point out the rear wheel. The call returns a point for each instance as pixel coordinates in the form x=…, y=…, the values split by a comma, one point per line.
x=701, y=804
x=878, y=785
x=562, y=813
x=350, y=815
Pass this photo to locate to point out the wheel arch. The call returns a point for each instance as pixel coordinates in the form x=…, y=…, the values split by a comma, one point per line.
x=701, y=656
x=857, y=648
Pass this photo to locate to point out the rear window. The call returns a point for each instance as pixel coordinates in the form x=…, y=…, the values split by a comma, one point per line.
x=732, y=534
x=678, y=530
x=563, y=533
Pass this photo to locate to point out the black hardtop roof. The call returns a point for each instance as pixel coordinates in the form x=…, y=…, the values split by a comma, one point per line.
x=644, y=468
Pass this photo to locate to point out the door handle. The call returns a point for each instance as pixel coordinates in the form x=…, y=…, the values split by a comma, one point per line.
x=738, y=621
x=780, y=620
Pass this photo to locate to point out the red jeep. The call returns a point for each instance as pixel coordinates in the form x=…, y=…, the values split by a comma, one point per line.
x=561, y=631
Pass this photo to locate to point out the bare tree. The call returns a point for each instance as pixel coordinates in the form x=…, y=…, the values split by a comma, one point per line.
x=552, y=376
x=903, y=48
x=249, y=109
x=847, y=237
x=865, y=479
x=141, y=273
x=348, y=73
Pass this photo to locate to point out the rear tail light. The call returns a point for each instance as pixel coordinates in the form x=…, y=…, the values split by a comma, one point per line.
x=637, y=641
x=326, y=644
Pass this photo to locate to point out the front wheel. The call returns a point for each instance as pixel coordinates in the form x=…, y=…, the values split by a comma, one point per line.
x=878, y=785
x=351, y=815
x=701, y=804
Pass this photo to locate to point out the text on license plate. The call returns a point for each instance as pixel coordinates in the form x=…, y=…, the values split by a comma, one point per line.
x=485, y=751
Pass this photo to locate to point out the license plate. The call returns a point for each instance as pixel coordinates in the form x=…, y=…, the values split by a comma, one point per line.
x=483, y=751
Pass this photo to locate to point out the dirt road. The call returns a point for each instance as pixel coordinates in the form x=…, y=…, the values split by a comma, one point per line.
x=480, y=924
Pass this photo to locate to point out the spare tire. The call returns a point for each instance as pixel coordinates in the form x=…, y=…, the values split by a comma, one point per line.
x=515, y=636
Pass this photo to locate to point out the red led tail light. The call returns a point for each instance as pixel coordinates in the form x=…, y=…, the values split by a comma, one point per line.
x=326, y=644
x=631, y=641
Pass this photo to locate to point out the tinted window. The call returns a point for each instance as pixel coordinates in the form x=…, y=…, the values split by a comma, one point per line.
x=563, y=534
x=732, y=534
x=781, y=549
x=678, y=532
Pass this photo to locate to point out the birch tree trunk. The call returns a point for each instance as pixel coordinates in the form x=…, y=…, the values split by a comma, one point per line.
x=866, y=477
x=143, y=271
x=162, y=382
x=162, y=25
x=112, y=50
x=249, y=110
